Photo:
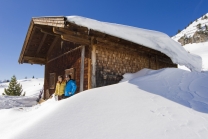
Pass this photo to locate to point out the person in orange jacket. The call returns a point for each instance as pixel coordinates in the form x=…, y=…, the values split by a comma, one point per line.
x=60, y=87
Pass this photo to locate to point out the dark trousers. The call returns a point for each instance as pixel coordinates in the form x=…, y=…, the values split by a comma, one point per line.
x=64, y=97
x=59, y=97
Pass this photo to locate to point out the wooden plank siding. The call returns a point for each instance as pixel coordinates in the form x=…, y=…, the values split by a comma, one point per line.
x=112, y=63
x=71, y=60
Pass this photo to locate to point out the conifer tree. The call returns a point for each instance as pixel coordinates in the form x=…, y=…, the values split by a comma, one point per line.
x=14, y=89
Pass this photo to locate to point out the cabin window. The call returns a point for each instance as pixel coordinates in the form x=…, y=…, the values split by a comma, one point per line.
x=71, y=72
x=52, y=80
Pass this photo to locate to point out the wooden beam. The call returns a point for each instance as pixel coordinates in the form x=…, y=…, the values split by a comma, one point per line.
x=74, y=39
x=66, y=31
x=36, y=62
x=82, y=69
x=33, y=58
x=52, y=46
x=64, y=54
x=48, y=32
x=156, y=61
x=89, y=74
x=41, y=43
x=29, y=39
x=109, y=42
x=29, y=33
x=93, y=58
x=102, y=41
x=56, y=30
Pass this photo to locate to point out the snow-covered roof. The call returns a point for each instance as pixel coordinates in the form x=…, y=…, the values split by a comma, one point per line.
x=153, y=39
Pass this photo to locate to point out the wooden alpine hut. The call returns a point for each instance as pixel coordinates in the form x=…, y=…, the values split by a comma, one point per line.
x=94, y=53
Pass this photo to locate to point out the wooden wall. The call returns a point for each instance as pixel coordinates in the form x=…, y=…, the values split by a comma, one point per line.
x=112, y=63
x=71, y=60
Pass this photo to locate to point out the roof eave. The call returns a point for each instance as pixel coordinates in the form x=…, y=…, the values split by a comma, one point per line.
x=58, y=21
x=26, y=41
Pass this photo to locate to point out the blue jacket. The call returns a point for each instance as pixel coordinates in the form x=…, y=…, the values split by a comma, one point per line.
x=70, y=88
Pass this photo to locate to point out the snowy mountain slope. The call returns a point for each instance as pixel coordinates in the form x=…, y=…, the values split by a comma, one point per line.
x=162, y=104
x=149, y=38
x=32, y=88
x=192, y=28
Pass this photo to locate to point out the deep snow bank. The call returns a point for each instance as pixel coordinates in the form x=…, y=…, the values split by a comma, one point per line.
x=7, y=102
x=152, y=39
x=186, y=88
x=162, y=104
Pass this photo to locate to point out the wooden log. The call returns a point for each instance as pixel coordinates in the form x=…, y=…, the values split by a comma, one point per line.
x=82, y=68
x=156, y=61
x=35, y=60
x=89, y=74
x=41, y=44
x=75, y=39
x=73, y=33
x=48, y=32
x=52, y=46
x=31, y=33
x=64, y=54
x=93, y=58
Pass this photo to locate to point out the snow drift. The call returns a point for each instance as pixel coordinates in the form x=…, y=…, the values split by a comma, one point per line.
x=162, y=104
x=152, y=39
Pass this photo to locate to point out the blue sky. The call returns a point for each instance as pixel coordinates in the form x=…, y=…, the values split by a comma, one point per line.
x=162, y=15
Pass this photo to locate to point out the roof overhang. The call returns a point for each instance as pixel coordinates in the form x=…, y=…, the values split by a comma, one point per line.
x=40, y=30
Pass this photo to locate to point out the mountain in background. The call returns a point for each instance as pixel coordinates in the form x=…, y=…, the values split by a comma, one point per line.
x=195, y=32
x=194, y=39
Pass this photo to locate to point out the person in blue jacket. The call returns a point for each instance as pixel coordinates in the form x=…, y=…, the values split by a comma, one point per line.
x=70, y=87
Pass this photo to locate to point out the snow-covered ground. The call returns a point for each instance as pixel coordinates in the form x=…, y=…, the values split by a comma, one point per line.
x=32, y=88
x=169, y=103
x=200, y=49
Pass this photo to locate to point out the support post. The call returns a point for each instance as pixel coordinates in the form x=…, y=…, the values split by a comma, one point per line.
x=93, y=57
x=89, y=74
x=82, y=68
x=157, y=65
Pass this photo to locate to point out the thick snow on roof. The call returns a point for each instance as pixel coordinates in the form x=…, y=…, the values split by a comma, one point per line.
x=152, y=39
